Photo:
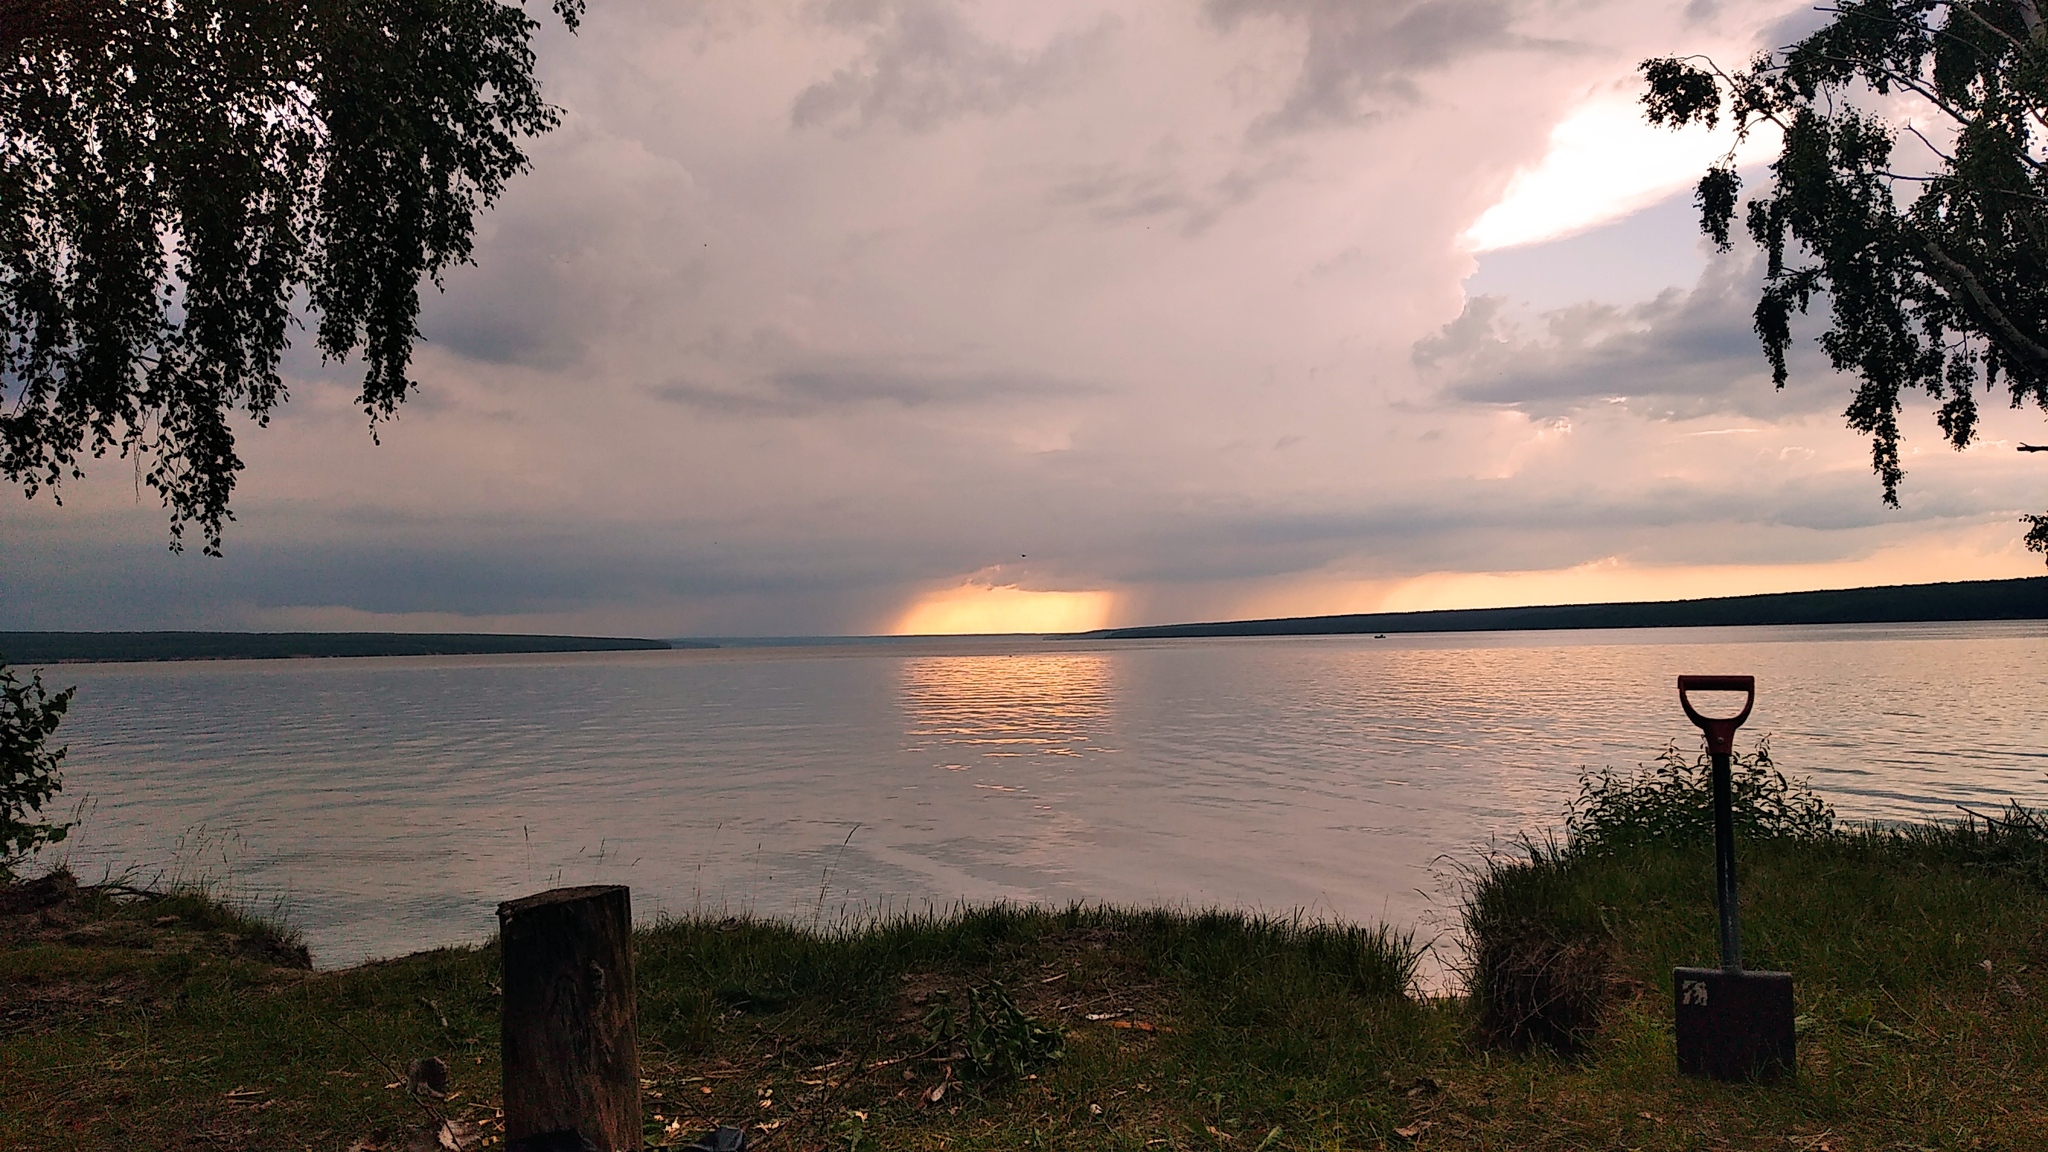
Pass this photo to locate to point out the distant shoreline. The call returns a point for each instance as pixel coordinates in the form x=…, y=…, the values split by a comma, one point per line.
x=23, y=648
x=2024, y=598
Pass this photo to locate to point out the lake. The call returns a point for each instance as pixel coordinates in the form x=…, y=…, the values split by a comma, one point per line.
x=389, y=804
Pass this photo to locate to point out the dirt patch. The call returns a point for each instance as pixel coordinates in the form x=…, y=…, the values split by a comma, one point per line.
x=30, y=1005
x=1533, y=988
x=35, y=895
x=56, y=910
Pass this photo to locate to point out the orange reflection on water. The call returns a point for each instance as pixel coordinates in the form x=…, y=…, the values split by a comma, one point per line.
x=964, y=707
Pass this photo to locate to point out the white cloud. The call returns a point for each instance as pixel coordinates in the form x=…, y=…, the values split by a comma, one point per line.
x=1602, y=163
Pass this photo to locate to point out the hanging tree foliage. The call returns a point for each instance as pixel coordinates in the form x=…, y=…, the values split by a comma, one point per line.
x=29, y=768
x=179, y=177
x=1936, y=278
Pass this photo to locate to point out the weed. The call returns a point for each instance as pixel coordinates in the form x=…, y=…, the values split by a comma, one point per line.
x=992, y=1039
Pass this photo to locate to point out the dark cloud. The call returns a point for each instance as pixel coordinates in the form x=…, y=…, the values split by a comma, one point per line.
x=1115, y=192
x=1361, y=52
x=1682, y=354
x=509, y=322
x=1797, y=25
x=578, y=250
x=1510, y=523
x=924, y=64
x=848, y=570
x=808, y=391
x=473, y=566
x=1698, y=12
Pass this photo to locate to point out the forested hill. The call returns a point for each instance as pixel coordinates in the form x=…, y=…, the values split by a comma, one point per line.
x=2021, y=599
x=22, y=648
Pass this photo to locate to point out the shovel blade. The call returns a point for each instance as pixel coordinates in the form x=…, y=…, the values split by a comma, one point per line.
x=1734, y=1025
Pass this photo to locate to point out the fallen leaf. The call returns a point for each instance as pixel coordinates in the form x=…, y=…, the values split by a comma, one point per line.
x=446, y=1136
x=1413, y=1130
x=1139, y=1026
x=1218, y=1133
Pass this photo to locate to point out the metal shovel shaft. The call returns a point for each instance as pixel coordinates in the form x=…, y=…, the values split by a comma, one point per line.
x=1724, y=863
x=1720, y=734
x=1730, y=1024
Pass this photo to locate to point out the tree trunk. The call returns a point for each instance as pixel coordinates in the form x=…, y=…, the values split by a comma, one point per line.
x=572, y=1063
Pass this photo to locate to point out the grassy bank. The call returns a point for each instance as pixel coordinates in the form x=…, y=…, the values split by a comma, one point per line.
x=1918, y=954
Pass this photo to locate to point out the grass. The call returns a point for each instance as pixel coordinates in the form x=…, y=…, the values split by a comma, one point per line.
x=1202, y=1021
x=1917, y=982
x=1918, y=955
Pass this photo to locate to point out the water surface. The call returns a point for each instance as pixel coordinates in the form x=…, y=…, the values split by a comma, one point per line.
x=391, y=803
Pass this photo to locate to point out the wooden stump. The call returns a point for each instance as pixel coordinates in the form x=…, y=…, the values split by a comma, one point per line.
x=572, y=1061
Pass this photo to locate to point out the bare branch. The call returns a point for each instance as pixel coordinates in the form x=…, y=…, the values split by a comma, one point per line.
x=1930, y=144
x=2015, y=343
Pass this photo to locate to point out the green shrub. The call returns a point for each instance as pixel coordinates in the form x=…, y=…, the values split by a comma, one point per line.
x=28, y=767
x=1670, y=801
x=1541, y=956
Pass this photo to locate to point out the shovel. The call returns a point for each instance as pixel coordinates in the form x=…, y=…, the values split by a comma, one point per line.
x=1732, y=1024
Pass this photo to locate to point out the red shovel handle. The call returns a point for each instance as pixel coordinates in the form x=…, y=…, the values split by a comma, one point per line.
x=1720, y=730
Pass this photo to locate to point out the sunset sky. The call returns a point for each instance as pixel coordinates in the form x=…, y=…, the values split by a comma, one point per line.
x=861, y=316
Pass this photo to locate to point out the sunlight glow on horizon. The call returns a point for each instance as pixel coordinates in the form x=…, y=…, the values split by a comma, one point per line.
x=1983, y=552
x=1613, y=581
x=979, y=608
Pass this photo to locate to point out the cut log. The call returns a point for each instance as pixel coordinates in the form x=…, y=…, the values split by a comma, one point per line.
x=572, y=1062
